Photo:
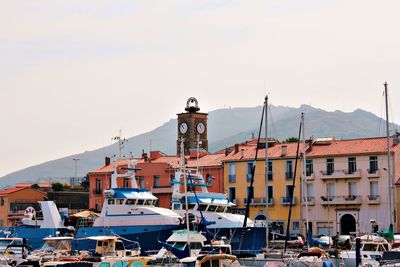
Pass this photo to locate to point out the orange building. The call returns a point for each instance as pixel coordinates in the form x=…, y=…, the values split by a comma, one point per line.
x=14, y=201
x=155, y=174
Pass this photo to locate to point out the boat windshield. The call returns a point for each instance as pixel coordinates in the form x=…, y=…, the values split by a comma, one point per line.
x=57, y=245
x=130, y=201
x=212, y=208
x=220, y=209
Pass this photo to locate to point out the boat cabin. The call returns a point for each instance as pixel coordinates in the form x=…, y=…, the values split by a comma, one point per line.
x=210, y=202
x=111, y=246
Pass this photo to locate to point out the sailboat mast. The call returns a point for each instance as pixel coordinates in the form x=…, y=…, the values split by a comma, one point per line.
x=305, y=172
x=183, y=170
x=266, y=175
x=388, y=156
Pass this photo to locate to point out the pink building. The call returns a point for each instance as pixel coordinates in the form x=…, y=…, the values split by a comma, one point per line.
x=347, y=184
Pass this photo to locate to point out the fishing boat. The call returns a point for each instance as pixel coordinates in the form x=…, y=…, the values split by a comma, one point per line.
x=131, y=214
x=34, y=229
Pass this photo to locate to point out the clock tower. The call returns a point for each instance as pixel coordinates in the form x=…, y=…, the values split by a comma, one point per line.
x=192, y=126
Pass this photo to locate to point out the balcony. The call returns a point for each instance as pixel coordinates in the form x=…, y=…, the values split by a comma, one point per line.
x=374, y=199
x=286, y=201
x=162, y=189
x=97, y=191
x=232, y=178
x=310, y=201
x=310, y=176
x=289, y=175
x=373, y=173
x=340, y=174
x=341, y=200
x=259, y=201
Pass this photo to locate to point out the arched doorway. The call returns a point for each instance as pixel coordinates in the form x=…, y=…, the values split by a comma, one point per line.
x=347, y=224
x=260, y=217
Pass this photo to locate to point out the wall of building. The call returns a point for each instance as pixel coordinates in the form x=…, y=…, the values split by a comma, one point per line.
x=362, y=208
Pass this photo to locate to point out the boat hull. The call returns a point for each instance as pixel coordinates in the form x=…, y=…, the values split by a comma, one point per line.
x=242, y=240
x=146, y=236
x=33, y=235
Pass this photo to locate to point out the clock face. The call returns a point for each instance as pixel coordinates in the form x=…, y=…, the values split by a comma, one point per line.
x=201, y=128
x=183, y=128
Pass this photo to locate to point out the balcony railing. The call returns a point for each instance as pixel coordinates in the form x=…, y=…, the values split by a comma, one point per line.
x=235, y=201
x=341, y=200
x=259, y=201
x=289, y=175
x=232, y=178
x=248, y=177
x=310, y=176
x=374, y=199
x=286, y=200
x=310, y=200
x=373, y=173
x=97, y=191
x=340, y=174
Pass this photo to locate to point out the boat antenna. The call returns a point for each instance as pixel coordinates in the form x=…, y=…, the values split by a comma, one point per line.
x=291, y=192
x=388, y=156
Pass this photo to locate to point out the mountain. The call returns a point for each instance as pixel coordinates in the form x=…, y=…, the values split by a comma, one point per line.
x=225, y=128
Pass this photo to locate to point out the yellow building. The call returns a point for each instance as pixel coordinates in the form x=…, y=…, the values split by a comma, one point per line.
x=237, y=176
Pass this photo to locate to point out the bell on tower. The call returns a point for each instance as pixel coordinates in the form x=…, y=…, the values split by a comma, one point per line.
x=192, y=128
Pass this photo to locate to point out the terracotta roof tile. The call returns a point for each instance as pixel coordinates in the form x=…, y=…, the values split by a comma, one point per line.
x=374, y=145
x=11, y=190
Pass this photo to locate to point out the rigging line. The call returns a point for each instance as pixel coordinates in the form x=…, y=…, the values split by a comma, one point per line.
x=272, y=123
x=253, y=170
x=291, y=192
x=381, y=121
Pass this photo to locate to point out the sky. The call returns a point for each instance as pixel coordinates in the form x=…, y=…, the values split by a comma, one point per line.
x=72, y=73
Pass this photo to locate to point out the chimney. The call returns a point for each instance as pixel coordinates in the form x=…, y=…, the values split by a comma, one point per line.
x=155, y=154
x=283, y=150
x=226, y=152
x=241, y=153
x=107, y=161
x=236, y=148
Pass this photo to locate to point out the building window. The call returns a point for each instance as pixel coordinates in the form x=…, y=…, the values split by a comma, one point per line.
x=1, y=201
x=270, y=193
x=352, y=189
x=352, y=164
x=295, y=227
x=209, y=179
x=232, y=172
x=289, y=169
x=289, y=191
x=373, y=190
x=270, y=173
x=373, y=164
x=250, y=192
x=309, y=167
x=330, y=190
x=126, y=182
x=141, y=181
x=310, y=192
x=156, y=181
x=330, y=166
x=232, y=194
x=249, y=171
x=97, y=206
x=98, y=186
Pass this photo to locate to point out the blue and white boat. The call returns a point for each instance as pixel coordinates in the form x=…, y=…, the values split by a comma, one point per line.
x=221, y=224
x=131, y=214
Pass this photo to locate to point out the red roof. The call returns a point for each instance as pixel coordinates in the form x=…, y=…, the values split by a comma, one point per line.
x=30, y=184
x=376, y=145
x=248, y=152
x=11, y=190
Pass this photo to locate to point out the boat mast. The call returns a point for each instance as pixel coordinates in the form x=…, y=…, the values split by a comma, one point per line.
x=266, y=176
x=305, y=173
x=183, y=170
x=388, y=156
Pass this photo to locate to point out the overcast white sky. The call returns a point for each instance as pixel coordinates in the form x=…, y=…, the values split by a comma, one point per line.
x=74, y=72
